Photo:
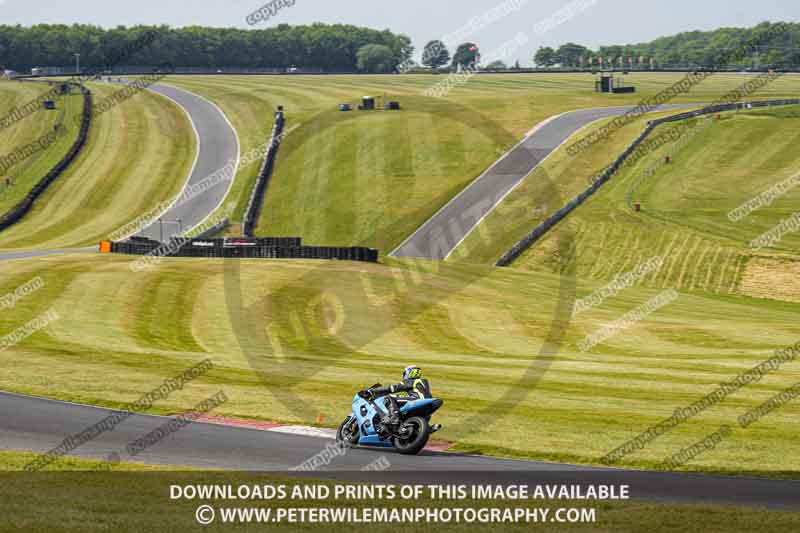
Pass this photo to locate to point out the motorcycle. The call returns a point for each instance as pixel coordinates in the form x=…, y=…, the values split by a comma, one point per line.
x=364, y=427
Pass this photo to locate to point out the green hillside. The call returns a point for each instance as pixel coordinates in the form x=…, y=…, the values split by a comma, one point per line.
x=26, y=174
x=292, y=340
x=685, y=207
x=137, y=155
x=373, y=178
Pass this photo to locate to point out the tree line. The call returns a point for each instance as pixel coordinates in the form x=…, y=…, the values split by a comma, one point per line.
x=336, y=47
x=781, y=49
x=436, y=56
x=346, y=48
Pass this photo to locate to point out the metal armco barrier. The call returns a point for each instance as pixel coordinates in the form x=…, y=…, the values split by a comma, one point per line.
x=542, y=229
x=264, y=175
x=245, y=248
x=26, y=204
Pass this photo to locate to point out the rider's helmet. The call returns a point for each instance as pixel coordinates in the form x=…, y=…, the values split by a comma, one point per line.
x=412, y=372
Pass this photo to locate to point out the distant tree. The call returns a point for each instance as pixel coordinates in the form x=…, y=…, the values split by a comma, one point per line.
x=611, y=52
x=328, y=47
x=435, y=54
x=517, y=66
x=496, y=65
x=375, y=58
x=725, y=47
x=671, y=59
x=467, y=54
x=400, y=45
x=772, y=58
x=407, y=66
x=333, y=47
x=545, y=57
x=569, y=54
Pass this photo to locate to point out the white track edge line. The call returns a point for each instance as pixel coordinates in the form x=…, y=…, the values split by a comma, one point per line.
x=238, y=155
x=473, y=182
x=194, y=164
x=134, y=413
x=475, y=226
x=516, y=185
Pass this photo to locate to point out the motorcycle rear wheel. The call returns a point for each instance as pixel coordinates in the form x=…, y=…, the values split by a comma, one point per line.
x=418, y=439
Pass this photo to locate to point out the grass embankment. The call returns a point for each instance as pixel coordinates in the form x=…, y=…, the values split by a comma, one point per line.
x=340, y=176
x=544, y=191
x=27, y=173
x=14, y=461
x=685, y=207
x=138, y=154
x=475, y=330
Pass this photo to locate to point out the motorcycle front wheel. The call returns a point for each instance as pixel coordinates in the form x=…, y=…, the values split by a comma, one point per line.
x=417, y=437
x=347, y=434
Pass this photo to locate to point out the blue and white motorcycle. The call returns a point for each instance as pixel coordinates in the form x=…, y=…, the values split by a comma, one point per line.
x=364, y=428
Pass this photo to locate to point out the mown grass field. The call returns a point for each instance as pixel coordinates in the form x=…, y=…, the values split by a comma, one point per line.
x=28, y=172
x=342, y=176
x=13, y=461
x=557, y=180
x=138, y=154
x=495, y=342
x=685, y=206
x=480, y=334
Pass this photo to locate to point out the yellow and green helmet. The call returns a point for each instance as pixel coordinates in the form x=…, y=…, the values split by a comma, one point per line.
x=412, y=372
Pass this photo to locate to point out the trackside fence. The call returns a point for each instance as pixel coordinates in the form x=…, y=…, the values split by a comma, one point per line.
x=26, y=204
x=264, y=175
x=530, y=239
x=246, y=248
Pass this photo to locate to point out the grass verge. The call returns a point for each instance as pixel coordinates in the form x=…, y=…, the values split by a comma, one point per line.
x=138, y=154
x=471, y=328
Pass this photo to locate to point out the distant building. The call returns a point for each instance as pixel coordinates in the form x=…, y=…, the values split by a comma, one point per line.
x=47, y=71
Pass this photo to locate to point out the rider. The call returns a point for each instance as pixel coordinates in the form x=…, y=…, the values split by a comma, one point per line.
x=414, y=385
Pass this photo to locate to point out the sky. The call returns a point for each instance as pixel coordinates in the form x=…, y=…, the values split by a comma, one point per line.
x=510, y=29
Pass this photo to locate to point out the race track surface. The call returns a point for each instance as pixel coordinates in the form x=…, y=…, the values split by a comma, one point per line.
x=28, y=423
x=202, y=193
x=28, y=254
x=217, y=146
x=442, y=233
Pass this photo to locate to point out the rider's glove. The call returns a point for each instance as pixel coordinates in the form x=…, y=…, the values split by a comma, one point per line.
x=366, y=394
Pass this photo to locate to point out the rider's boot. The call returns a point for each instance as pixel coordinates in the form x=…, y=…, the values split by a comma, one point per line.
x=391, y=421
x=392, y=418
x=388, y=425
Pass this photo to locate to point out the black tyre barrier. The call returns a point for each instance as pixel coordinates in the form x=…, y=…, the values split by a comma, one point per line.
x=264, y=175
x=530, y=239
x=246, y=248
x=26, y=204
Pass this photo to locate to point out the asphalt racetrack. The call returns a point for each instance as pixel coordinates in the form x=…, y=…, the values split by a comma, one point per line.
x=442, y=233
x=217, y=146
x=204, y=190
x=28, y=423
